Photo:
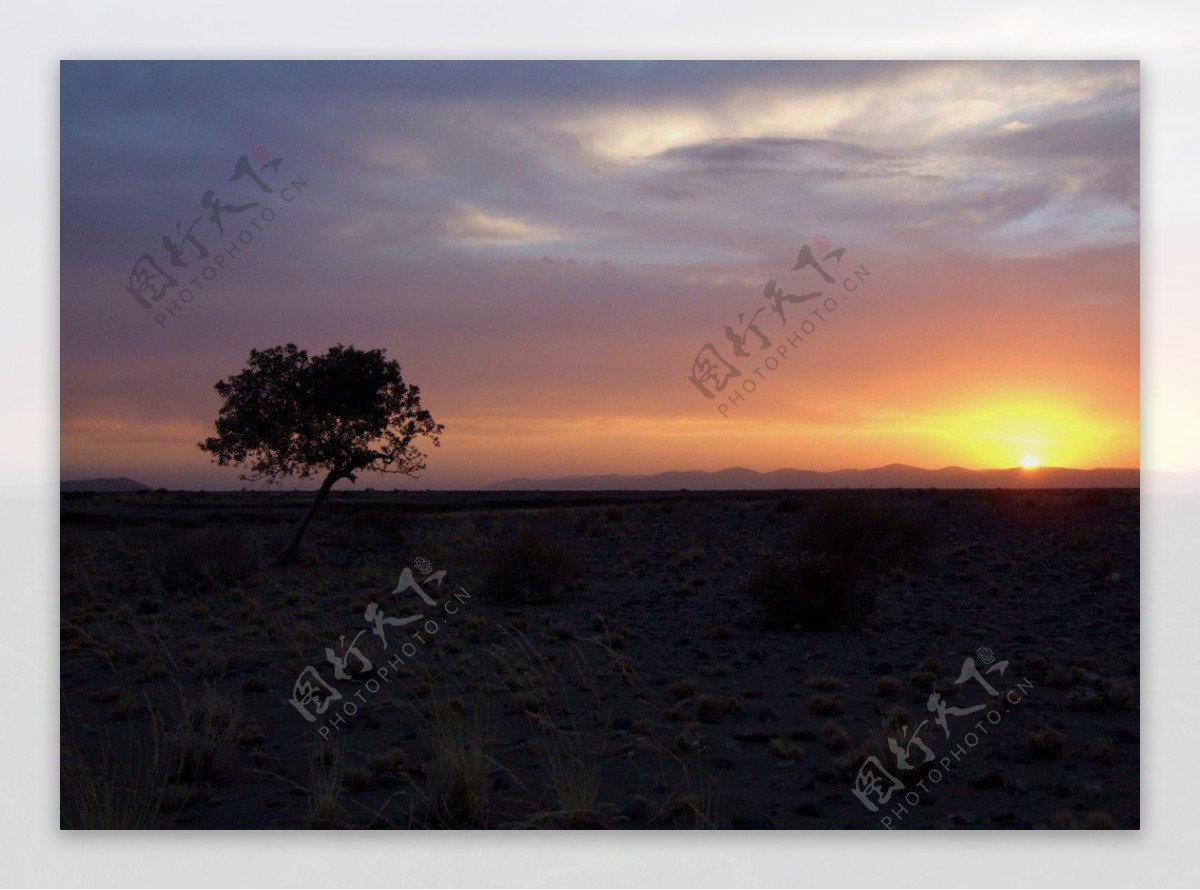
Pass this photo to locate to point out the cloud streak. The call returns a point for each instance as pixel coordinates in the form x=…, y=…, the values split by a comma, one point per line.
x=560, y=238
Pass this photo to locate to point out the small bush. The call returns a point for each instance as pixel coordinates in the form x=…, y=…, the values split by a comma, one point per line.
x=1102, y=752
x=1119, y=693
x=887, y=687
x=824, y=705
x=530, y=566
x=203, y=739
x=836, y=738
x=711, y=708
x=1062, y=821
x=818, y=592
x=683, y=688
x=786, y=750
x=922, y=681
x=458, y=788
x=1093, y=821
x=897, y=717
x=1047, y=743
x=118, y=787
x=868, y=531
x=1098, y=820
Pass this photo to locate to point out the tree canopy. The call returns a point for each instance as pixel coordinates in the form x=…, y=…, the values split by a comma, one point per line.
x=347, y=411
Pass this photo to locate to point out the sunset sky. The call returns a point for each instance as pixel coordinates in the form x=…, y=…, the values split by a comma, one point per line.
x=546, y=247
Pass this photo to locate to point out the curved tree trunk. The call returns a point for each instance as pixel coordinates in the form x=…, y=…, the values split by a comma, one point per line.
x=287, y=555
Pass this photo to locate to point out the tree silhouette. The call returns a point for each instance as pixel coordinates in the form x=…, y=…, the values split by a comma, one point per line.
x=339, y=413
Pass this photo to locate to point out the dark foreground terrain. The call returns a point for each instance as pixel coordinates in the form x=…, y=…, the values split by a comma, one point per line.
x=622, y=660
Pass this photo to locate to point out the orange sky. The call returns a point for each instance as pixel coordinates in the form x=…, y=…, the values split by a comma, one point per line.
x=546, y=250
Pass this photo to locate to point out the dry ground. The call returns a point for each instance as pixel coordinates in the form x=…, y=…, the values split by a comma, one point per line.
x=648, y=691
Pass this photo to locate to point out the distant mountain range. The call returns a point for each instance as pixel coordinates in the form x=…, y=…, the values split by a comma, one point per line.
x=121, y=484
x=891, y=476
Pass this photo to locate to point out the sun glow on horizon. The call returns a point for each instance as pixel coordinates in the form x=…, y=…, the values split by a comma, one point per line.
x=1030, y=462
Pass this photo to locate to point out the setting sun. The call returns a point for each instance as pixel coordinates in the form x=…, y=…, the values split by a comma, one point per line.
x=1029, y=462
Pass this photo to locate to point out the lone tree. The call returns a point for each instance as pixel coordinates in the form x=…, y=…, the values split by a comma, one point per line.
x=339, y=413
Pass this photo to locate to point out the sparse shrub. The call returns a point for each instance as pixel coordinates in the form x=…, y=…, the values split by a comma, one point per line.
x=1119, y=693
x=611, y=639
x=357, y=778
x=818, y=592
x=824, y=705
x=530, y=566
x=695, y=811
x=868, y=531
x=1085, y=700
x=681, y=689
x=1095, y=820
x=786, y=750
x=711, y=708
x=1047, y=743
x=176, y=797
x=923, y=681
x=532, y=701
x=689, y=740
x=897, y=717
x=876, y=742
x=204, y=738
x=1062, y=821
x=476, y=625
x=624, y=669
x=325, y=787
x=575, y=781
x=387, y=762
x=123, y=706
x=836, y=738
x=1098, y=820
x=643, y=727
x=251, y=735
x=887, y=687
x=458, y=788
x=1058, y=678
x=115, y=789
